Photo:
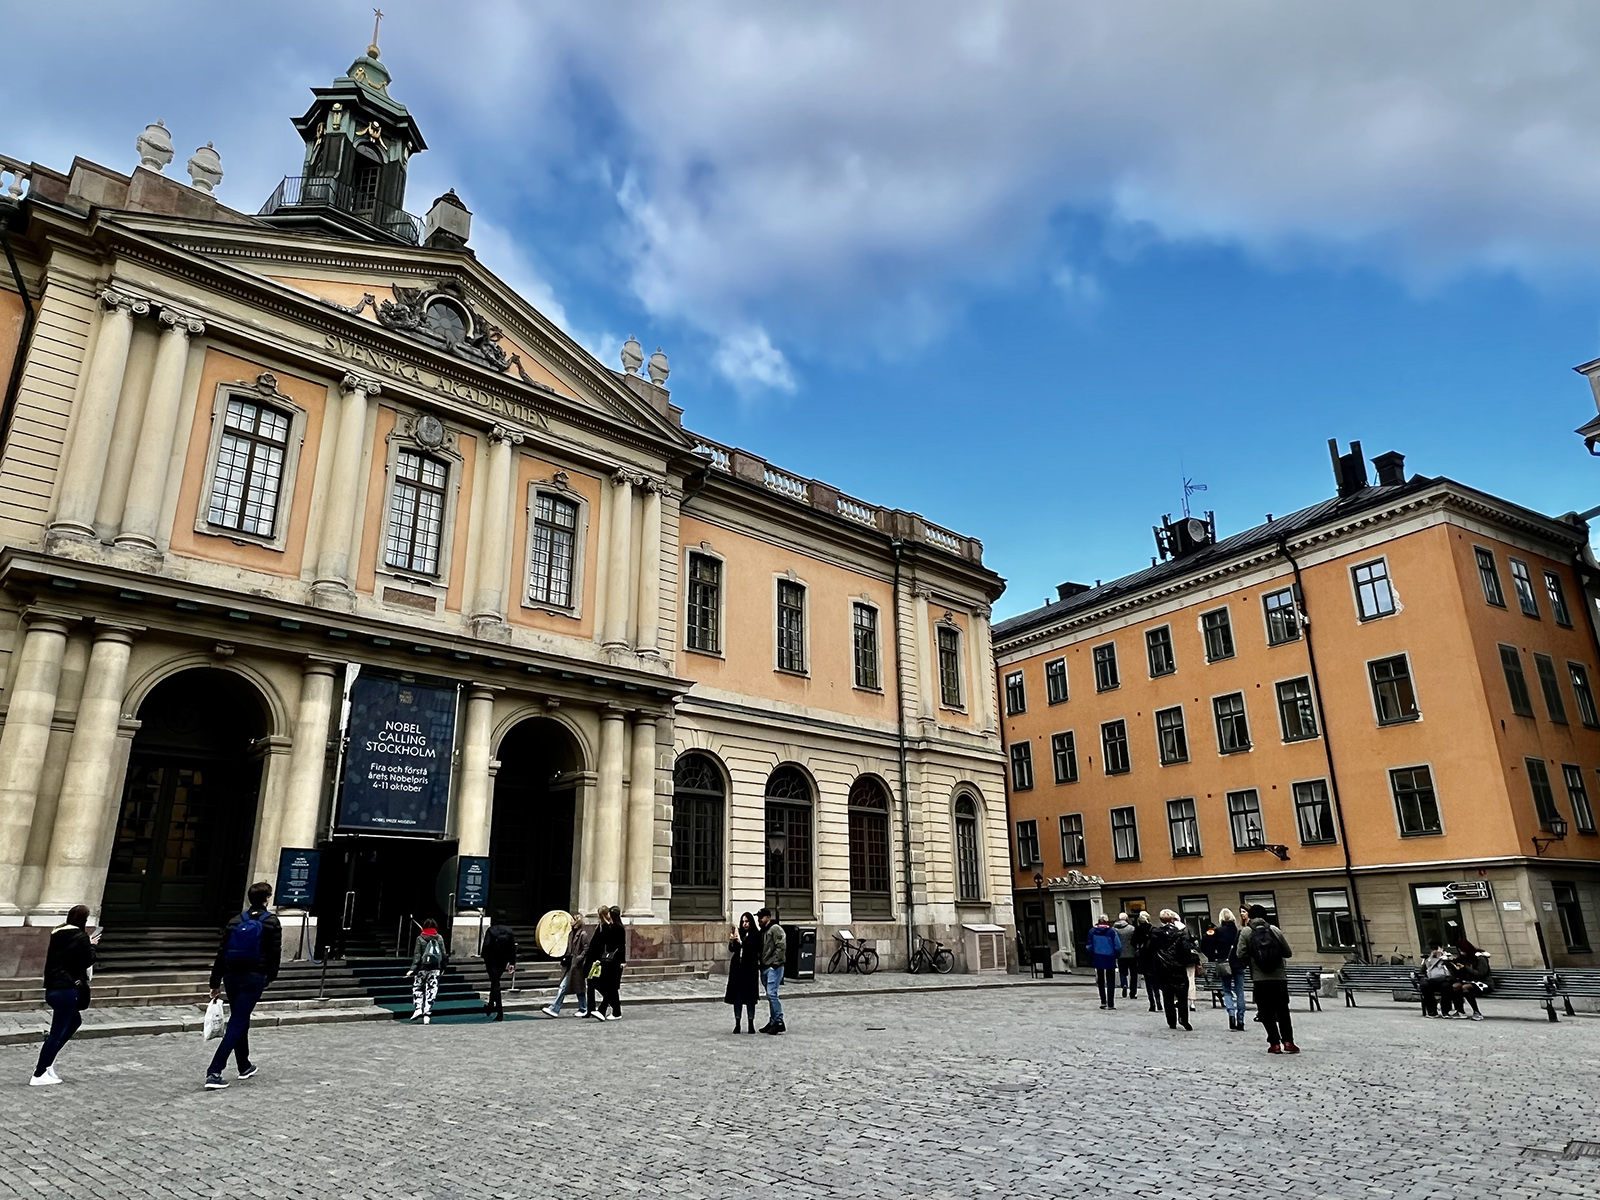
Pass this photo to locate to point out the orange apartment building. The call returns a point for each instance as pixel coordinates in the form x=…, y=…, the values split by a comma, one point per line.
x=1338, y=714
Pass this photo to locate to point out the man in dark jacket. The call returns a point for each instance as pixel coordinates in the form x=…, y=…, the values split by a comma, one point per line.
x=774, y=955
x=1172, y=953
x=1263, y=946
x=67, y=965
x=246, y=963
x=499, y=953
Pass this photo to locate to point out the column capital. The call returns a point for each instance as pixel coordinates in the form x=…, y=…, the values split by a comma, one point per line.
x=982, y=611
x=114, y=299
x=612, y=711
x=315, y=665
x=180, y=322
x=507, y=435
x=35, y=617
x=360, y=383
x=622, y=476
x=483, y=691
x=116, y=631
x=922, y=593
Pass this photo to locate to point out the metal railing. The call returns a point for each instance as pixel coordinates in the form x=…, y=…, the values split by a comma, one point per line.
x=321, y=191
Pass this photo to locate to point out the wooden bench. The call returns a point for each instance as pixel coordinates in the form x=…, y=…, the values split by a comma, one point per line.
x=1377, y=977
x=1512, y=983
x=1306, y=981
x=1525, y=983
x=1577, y=981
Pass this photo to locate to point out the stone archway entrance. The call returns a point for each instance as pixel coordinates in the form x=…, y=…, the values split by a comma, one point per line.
x=530, y=842
x=181, y=851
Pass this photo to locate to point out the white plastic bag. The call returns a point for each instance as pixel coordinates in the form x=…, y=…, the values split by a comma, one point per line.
x=214, y=1021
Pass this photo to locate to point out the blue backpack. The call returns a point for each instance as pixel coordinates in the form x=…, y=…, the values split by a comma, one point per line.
x=1103, y=941
x=244, y=940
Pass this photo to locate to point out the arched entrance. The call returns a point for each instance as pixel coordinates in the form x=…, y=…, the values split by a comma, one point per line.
x=182, y=845
x=530, y=841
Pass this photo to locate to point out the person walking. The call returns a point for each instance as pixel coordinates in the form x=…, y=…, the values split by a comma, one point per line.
x=744, y=970
x=1264, y=949
x=774, y=956
x=609, y=953
x=499, y=956
x=1220, y=945
x=1104, y=948
x=1127, y=958
x=428, y=958
x=1172, y=954
x=574, y=964
x=1472, y=976
x=1143, y=953
x=245, y=966
x=68, y=965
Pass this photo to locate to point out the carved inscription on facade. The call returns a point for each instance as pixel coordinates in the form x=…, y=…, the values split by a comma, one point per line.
x=399, y=368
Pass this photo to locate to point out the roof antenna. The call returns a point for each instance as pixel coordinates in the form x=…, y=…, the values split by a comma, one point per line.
x=1190, y=487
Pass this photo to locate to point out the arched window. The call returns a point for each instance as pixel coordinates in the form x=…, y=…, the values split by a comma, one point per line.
x=697, y=798
x=969, y=863
x=789, y=843
x=870, y=897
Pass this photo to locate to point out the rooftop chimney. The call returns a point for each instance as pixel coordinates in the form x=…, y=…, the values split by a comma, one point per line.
x=1349, y=470
x=1391, y=468
x=1066, y=591
x=448, y=223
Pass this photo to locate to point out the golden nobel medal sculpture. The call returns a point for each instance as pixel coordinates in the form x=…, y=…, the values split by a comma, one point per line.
x=553, y=931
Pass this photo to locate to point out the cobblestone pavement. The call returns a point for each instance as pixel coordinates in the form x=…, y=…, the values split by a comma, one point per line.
x=934, y=1094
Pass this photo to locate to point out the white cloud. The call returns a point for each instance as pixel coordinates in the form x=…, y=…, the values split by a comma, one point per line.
x=749, y=361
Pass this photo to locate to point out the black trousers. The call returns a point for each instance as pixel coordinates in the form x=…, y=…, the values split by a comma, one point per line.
x=1272, y=1005
x=1129, y=967
x=606, y=987
x=1105, y=979
x=1175, y=998
x=497, y=1001
x=1152, y=989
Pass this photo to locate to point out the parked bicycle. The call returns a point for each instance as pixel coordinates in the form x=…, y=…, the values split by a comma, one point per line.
x=854, y=955
x=938, y=958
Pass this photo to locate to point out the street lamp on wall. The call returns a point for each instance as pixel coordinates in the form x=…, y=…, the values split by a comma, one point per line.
x=1257, y=842
x=1558, y=833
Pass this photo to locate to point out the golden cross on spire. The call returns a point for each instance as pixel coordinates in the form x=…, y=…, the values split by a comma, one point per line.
x=377, y=17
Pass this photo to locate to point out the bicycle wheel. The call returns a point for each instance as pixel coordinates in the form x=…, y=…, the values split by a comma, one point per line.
x=867, y=961
x=916, y=963
x=833, y=963
x=943, y=960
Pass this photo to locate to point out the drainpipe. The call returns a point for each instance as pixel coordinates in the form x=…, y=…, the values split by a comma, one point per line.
x=8, y=213
x=905, y=784
x=1327, y=751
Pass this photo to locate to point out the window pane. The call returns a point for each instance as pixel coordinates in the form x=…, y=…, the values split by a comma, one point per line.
x=1581, y=693
x=1064, y=753
x=1313, y=812
x=1244, y=820
x=1172, y=737
x=1373, y=595
x=1516, y=681
x=1544, y=800
x=1392, y=693
x=949, y=667
x=1184, y=828
x=1558, y=598
x=1489, y=576
x=1551, y=688
x=1022, y=766
x=1233, y=728
x=1296, y=713
x=1055, y=680
x=1578, y=797
x=249, y=468
x=551, y=562
x=866, y=648
x=1523, y=582
x=1105, y=668
x=1124, y=834
x=1158, y=645
x=1114, y=743
x=1028, y=844
x=1218, y=631
x=1414, y=800
x=1016, y=696
x=1072, y=847
x=791, y=626
x=1283, y=622
x=968, y=875
x=705, y=596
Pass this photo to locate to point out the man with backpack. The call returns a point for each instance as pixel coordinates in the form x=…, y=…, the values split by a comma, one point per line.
x=1265, y=950
x=246, y=964
x=1105, y=946
x=428, y=957
x=1172, y=953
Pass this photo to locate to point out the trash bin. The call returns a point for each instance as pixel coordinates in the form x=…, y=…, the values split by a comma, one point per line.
x=802, y=950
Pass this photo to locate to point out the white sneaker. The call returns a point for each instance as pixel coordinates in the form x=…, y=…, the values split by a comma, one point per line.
x=428, y=1020
x=614, y=1017
x=1477, y=1016
x=51, y=1071
x=416, y=1015
x=598, y=1016
x=548, y=1011
x=44, y=1080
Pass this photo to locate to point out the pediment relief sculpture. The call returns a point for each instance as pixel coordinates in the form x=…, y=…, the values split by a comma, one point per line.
x=444, y=317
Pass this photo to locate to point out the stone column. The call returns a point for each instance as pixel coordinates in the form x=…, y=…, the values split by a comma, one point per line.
x=608, y=833
x=302, y=796
x=141, y=511
x=641, y=819
x=97, y=412
x=490, y=597
x=980, y=664
x=30, y=706
x=650, y=569
x=276, y=753
x=475, y=798
x=335, y=564
x=71, y=874
x=927, y=664
x=619, y=559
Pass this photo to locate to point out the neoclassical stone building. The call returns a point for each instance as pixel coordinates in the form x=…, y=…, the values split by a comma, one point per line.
x=251, y=461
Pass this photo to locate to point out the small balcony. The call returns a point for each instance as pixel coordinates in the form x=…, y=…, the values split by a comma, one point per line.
x=312, y=200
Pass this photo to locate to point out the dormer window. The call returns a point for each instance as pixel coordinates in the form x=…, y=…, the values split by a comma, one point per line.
x=447, y=322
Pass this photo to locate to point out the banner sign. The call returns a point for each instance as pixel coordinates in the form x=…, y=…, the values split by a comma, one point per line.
x=397, y=757
x=472, y=883
x=297, y=878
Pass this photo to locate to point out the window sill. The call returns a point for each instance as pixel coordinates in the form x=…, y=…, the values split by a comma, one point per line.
x=1074, y=779
x=1125, y=860
x=1250, y=849
x=1175, y=762
x=1328, y=842
x=1128, y=771
x=554, y=610
x=871, y=691
x=718, y=654
x=1411, y=718
x=1053, y=703
x=1564, y=624
x=1220, y=658
x=240, y=538
x=1423, y=833
x=1100, y=691
x=1285, y=642
x=1236, y=750
x=951, y=708
x=1015, y=712
x=1305, y=737
x=1019, y=788
x=1375, y=617
x=790, y=672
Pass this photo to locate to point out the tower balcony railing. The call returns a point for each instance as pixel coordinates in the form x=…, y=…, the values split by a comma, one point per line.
x=322, y=191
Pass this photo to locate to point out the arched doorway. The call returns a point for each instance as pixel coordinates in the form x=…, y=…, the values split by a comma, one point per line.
x=182, y=846
x=530, y=842
x=697, y=799
x=789, y=843
x=870, y=898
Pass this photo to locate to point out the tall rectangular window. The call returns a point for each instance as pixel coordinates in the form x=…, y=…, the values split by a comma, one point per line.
x=1570, y=913
x=949, y=666
x=1124, y=834
x=1582, y=693
x=555, y=548
x=1217, y=629
x=1313, y=813
x=1336, y=928
x=1171, y=736
x=1550, y=685
x=705, y=602
x=1064, y=756
x=791, y=626
x=1374, y=596
x=1114, y=745
x=1558, y=598
x=1055, y=681
x=1578, y=797
x=1016, y=696
x=1516, y=681
x=1021, y=766
x=1522, y=581
x=1158, y=648
x=416, y=513
x=1028, y=844
x=1392, y=694
x=864, y=626
x=1296, y=713
x=1244, y=820
x=1105, y=668
x=1233, y=727
x=1184, y=828
x=244, y=487
x=1283, y=620
x=1414, y=801
x=1267, y=900
x=1073, y=853
x=1544, y=800
x=1489, y=576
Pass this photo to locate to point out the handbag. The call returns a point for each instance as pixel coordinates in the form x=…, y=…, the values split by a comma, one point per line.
x=83, y=995
x=1224, y=968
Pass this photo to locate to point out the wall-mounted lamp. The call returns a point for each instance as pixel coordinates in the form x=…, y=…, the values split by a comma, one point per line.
x=1557, y=827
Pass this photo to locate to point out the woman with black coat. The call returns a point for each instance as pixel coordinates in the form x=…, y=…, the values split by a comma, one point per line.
x=608, y=950
x=744, y=970
x=1148, y=967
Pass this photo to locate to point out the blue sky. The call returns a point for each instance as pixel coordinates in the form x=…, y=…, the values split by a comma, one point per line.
x=1018, y=266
